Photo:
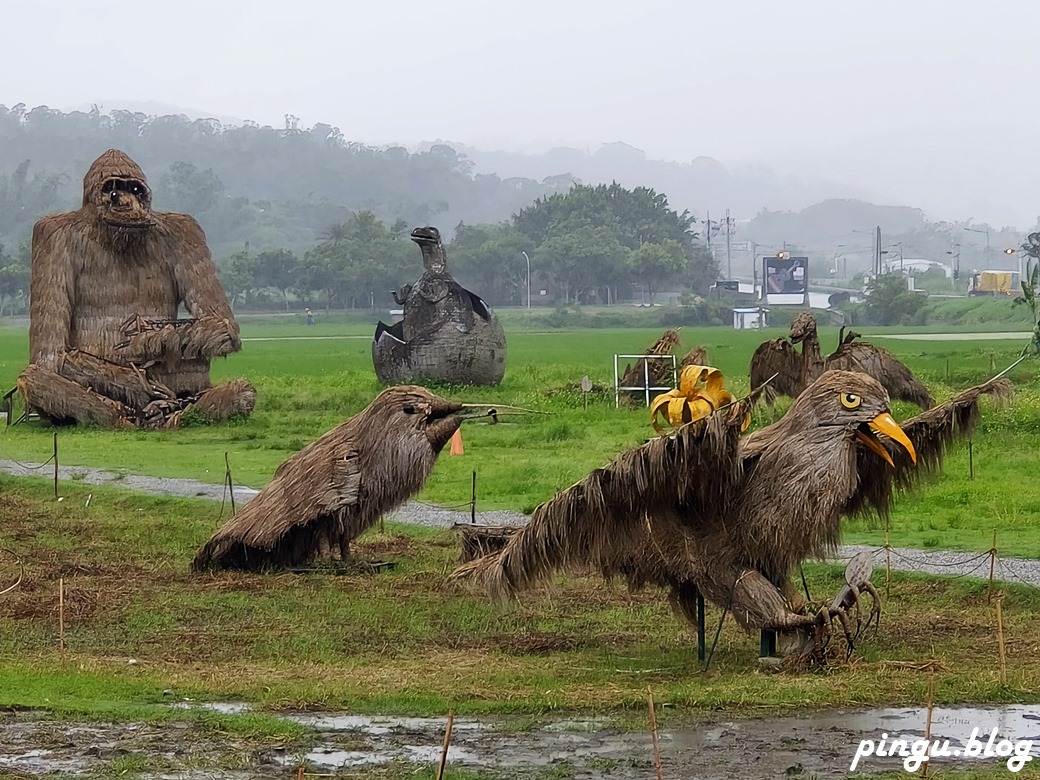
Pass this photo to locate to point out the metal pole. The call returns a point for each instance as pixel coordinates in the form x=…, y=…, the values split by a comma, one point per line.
x=646, y=379
x=617, y=389
x=700, y=626
x=528, y=259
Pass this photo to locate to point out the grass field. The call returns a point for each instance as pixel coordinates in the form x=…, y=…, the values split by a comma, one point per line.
x=306, y=387
x=407, y=642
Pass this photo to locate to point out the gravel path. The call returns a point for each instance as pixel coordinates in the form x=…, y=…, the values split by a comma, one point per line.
x=1020, y=570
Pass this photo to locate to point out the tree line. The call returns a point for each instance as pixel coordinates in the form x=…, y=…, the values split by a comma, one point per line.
x=273, y=187
x=590, y=245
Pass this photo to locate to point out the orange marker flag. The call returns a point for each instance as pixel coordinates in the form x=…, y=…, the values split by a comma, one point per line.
x=456, y=443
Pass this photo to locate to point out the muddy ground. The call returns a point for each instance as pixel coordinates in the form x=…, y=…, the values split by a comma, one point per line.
x=820, y=744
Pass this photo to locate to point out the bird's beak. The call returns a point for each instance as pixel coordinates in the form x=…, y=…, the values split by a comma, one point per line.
x=884, y=423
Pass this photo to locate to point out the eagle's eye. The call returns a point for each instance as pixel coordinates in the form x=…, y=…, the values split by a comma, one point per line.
x=409, y=409
x=850, y=400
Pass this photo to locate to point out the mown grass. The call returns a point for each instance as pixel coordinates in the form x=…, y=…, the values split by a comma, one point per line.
x=408, y=642
x=306, y=387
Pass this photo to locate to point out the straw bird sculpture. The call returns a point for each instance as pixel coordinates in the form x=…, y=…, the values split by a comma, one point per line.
x=796, y=372
x=448, y=334
x=106, y=284
x=338, y=486
x=731, y=516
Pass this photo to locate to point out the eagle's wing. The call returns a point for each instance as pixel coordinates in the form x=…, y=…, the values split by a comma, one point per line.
x=776, y=357
x=598, y=522
x=931, y=432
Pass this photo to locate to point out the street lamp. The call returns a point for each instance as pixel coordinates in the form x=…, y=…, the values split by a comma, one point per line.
x=982, y=230
x=956, y=255
x=528, y=259
x=889, y=251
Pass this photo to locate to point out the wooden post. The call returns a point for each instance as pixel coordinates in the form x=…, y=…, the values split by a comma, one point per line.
x=1000, y=640
x=971, y=462
x=473, y=501
x=947, y=369
x=888, y=561
x=928, y=721
x=230, y=482
x=444, y=747
x=61, y=620
x=992, y=565
x=653, y=733
x=299, y=773
x=55, y=466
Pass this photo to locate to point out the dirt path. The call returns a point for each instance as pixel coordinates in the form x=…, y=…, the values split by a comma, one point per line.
x=1020, y=570
x=816, y=744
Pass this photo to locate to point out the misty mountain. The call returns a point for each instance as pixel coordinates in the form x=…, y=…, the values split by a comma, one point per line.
x=703, y=185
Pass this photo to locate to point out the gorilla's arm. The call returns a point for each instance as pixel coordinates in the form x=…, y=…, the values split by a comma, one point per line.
x=51, y=293
x=212, y=331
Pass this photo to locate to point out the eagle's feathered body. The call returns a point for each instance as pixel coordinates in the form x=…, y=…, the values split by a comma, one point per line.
x=731, y=516
x=797, y=371
x=338, y=486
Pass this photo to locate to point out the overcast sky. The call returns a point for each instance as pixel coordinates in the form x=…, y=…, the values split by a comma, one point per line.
x=931, y=103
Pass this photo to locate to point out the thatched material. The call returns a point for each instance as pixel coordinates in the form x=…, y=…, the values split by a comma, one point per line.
x=698, y=356
x=659, y=371
x=480, y=540
x=448, y=334
x=797, y=371
x=338, y=486
x=707, y=510
x=111, y=262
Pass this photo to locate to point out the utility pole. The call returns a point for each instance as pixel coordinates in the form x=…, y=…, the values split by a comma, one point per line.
x=877, y=252
x=729, y=258
x=754, y=269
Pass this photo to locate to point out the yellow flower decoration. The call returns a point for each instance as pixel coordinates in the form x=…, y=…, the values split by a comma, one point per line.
x=700, y=393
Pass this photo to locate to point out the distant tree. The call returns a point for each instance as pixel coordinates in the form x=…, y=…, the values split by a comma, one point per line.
x=14, y=283
x=633, y=219
x=582, y=259
x=489, y=260
x=238, y=276
x=653, y=263
x=185, y=188
x=889, y=302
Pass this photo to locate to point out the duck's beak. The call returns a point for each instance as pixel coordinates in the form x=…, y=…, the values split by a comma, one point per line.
x=884, y=423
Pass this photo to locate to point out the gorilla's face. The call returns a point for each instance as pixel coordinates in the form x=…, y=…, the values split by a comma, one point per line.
x=126, y=204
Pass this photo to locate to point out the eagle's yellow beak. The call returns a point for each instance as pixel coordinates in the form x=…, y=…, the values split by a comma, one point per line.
x=884, y=423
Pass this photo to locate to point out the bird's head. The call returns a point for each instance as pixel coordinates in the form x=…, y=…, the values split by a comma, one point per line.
x=856, y=403
x=802, y=326
x=429, y=240
x=410, y=410
x=426, y=235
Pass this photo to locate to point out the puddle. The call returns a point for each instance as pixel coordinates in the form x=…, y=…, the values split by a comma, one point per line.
x=717, y=747
x=226, y=708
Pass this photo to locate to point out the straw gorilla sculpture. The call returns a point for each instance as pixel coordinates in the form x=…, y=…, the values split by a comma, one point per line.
x=795, y=372
x=732, y=516
x=338, y=486
x=107, y=281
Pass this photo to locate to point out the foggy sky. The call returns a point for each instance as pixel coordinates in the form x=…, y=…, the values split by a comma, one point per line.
x=925, y=102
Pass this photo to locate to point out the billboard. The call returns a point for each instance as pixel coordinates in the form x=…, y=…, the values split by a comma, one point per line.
x=786, y=275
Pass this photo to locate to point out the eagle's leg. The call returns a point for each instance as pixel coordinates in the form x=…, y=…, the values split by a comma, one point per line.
x=875, y=606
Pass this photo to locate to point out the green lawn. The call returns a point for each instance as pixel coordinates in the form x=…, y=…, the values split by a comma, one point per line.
x=305, y=387
x=409, y=642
